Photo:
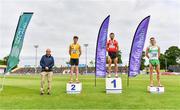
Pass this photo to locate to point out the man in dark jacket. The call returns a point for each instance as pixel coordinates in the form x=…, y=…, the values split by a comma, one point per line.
x=47, y=63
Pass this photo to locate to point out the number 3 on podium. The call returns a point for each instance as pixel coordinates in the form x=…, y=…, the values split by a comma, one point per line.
x=73, y=87
x=114, y=82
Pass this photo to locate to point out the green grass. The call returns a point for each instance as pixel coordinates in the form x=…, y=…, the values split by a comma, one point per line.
x=22, y=92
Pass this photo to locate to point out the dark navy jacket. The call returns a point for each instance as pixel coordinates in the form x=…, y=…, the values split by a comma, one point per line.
x=47, y=61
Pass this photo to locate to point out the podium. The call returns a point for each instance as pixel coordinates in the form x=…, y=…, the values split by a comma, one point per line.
x=73, y=88
x=113, y=85
x=155, y=89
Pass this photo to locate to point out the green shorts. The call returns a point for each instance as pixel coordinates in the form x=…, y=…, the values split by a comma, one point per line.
x=154, y=62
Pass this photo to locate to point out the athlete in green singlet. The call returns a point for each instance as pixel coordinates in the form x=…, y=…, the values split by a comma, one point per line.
x=153, y=54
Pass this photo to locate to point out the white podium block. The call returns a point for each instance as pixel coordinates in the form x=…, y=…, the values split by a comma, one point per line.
x=73, y=88
x=113, y=85
x=155, y=89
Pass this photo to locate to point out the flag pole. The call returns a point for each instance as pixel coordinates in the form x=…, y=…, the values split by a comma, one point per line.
x=2, y=84
x=95, y=75
x=127, y=80
x=95, y=80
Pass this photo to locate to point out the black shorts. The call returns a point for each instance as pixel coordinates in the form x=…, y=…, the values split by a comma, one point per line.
x=112, y=55
x=74, y=62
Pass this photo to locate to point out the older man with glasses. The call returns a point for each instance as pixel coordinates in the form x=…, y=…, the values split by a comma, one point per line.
x=47, y=63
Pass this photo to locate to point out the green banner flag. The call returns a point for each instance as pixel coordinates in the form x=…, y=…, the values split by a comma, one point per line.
x=17, y=44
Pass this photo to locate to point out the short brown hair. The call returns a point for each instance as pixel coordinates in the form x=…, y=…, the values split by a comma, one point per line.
x=111, y=33
x=75, y=37
x=152, y=38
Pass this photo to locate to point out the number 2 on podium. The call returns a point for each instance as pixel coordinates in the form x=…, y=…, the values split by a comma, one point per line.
x=158, y=89
x=114, y=82
x=73, y=87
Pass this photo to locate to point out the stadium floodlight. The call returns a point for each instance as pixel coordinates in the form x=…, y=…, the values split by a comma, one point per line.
x=36, y=47
x=86, y=45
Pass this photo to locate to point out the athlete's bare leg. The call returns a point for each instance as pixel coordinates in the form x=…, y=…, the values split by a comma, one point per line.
x=109, y=66
x=158, y=75
x=116, y=67
x=71, y=74
x=77, y=72
x=151, y=74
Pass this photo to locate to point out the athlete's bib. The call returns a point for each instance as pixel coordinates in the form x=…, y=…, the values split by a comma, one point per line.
x=112, y=46
x=153, y=52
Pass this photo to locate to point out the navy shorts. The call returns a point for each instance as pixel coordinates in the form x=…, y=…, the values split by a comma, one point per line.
x=74, y=62
x=112, y=55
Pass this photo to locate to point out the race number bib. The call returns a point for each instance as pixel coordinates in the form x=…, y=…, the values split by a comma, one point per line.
x=154, y=55
x=111, y=45
x=74, y=51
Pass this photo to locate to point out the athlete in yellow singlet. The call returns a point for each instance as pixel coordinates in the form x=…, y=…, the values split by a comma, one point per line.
x=75, y=53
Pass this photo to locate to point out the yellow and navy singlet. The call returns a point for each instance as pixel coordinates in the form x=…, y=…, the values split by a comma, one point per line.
x=75, y=50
